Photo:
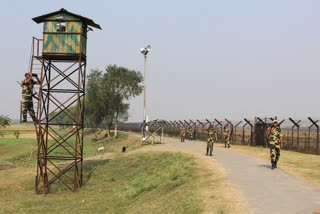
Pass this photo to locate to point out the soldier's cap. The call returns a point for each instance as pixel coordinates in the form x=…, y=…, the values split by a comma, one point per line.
x=274, y=121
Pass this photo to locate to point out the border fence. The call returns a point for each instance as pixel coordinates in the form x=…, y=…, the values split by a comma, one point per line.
x=298, y=135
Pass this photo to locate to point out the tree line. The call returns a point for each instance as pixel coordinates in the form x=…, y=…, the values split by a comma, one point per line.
x=107, y=97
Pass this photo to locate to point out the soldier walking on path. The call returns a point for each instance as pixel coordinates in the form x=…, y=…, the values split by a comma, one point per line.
x=212, y=137
x=182, y=133
x=27, y=94
x=227, y=135
x=275, y=141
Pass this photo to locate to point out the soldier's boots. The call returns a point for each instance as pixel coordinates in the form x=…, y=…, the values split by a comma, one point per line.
x=24, y=120
x=275, y=164
x=229, y=146
x=210, y=152
x=207, y=152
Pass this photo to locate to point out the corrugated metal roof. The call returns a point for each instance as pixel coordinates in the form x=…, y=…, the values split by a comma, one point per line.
x=88, y=21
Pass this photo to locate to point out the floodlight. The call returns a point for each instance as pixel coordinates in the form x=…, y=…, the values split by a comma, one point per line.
x=145, y=50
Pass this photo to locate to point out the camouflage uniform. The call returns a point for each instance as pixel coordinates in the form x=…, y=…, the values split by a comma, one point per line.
x=182, y=133
x=191, y=131
x=227, y=135
x=210, y=140
x=274, y=141
x=27, y=103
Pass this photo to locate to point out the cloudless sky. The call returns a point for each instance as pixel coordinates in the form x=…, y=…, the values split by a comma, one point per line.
x=209, y=59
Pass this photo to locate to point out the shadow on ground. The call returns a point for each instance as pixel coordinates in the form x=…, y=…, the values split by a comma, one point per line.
x=265, y=165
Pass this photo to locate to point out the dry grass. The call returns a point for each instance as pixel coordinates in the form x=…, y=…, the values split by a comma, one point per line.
x=20, y=127
x=25, y=135
x=218, y=195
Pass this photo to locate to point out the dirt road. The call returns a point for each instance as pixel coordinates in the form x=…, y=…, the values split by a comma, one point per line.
x=265, y=190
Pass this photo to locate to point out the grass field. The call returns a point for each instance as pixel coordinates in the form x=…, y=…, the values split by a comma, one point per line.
x=137, y=183
x=157, y=182
x=18, y=151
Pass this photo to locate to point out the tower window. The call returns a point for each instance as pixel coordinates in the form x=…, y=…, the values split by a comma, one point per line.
x=61, y=27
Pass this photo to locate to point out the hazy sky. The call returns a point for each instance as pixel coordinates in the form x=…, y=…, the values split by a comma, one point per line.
x=209, y=59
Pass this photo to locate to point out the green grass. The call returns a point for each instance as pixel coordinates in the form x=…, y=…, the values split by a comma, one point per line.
x=143, y=183
x=138, y=183
x=11, y=132
x=17, y=151
x=111, y=144
x=12, y=149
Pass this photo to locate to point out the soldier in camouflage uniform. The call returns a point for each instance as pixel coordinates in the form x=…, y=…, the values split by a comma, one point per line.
x=212, y=137
x=227, y=135
x=191, y=131
x=275, y=141
x=27, y=92
x=182, y=133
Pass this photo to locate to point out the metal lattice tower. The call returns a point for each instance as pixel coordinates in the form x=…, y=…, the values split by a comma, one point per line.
x=62, y=91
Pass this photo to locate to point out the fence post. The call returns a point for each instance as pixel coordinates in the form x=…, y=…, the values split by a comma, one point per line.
x=202, y=124
x=316, y=125
x=295, y=124
x=251, y=131
x=219, y=123
x=235, y=131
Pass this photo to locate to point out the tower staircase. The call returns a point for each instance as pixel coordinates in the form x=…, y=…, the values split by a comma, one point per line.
x=35, y=67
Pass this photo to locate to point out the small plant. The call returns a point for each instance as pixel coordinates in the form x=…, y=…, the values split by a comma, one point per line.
x=4, y=122
x=16, y=134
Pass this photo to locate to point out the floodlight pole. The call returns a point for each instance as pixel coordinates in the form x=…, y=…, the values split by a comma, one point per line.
x=145, y=97
x=145, y=52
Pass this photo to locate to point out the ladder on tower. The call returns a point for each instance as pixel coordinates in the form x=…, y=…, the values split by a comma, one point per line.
x=35, y=67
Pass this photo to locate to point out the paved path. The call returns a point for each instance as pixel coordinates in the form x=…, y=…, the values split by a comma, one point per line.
x=266, y=191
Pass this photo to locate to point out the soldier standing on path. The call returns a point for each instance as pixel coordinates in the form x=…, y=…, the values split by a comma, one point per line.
x=227, y=135
x=182, y=133
x=275, y=141
x=191, y=131
x=27, y=93
x=212, y=136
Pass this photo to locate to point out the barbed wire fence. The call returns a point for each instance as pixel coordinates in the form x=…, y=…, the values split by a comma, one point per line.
x=298, y=135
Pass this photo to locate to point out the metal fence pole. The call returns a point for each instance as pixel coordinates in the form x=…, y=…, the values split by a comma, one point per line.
x=295, y=124
x=317, y=126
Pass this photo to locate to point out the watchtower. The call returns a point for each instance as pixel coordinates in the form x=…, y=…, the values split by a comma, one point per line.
x=62, y=55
